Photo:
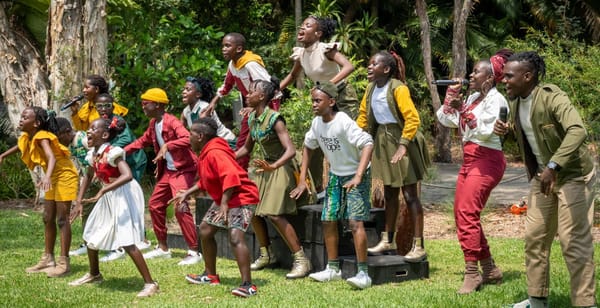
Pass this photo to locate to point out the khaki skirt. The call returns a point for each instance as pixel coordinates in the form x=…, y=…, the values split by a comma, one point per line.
x=410, y=169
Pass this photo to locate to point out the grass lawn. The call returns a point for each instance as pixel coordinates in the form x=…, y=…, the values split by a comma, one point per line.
x=21, y=244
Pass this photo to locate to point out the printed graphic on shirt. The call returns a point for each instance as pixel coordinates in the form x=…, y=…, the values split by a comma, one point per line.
x=331, y=144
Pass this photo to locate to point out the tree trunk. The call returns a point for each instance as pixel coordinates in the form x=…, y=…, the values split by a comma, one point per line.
x=459, y=32
x=23, y=79
x=442, y=139
x=63, y=50
x=95, y=38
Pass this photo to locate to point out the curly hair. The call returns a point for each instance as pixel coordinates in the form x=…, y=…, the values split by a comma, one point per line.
x=203, y=85
x=326, y=25
x=533, y=61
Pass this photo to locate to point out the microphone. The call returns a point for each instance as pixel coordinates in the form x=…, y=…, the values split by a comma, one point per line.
x=73, y=101
x=503, y=115
x=443, y=82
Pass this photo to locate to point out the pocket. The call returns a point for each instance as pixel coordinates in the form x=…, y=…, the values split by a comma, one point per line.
x=550, y=137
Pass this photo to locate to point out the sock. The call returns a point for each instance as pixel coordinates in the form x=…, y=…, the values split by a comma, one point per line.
x=334, y=264
x=362, y=266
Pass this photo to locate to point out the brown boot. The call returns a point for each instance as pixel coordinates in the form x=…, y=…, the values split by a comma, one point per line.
x=491, y=273
x=62, y=268
x=473, y=279
x=46, y=262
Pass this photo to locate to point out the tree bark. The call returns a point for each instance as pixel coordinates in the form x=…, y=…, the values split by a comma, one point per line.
x=23, y=78
x=462, y=10
x=442, y=139
x=63, y=50
x=95, y=38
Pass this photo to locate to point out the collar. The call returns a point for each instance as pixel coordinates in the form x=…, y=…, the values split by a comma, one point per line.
x=101, y=148
x=312, y=47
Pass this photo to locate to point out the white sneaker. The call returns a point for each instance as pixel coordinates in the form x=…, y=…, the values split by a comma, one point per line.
x=192, y=257
x=158, y=253
x=82, y=250
x=532, y=302
x=360, y=281
x=328, y=274
x=143, y=245
x=113, y=255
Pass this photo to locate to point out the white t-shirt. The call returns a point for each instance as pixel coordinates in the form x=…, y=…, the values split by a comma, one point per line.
x=161, y=142
x=341, y=141
x=524, y=113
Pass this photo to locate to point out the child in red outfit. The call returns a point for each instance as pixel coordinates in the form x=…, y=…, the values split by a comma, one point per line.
x=235, y=197
x=175, y=171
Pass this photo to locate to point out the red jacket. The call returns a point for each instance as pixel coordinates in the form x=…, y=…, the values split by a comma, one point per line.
x=177, y=139
x=219, y=171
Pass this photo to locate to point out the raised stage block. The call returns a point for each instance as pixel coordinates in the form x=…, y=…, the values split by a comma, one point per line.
x=388, y=268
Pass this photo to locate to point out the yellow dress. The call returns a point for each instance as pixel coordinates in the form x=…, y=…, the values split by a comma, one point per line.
x=88, y=113
x=64, y=178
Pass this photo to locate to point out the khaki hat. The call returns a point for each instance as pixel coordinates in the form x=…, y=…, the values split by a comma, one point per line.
x=328, y=88
x=156, y=95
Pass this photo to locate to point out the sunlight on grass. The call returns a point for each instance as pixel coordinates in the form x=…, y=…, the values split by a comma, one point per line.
x=22, y=241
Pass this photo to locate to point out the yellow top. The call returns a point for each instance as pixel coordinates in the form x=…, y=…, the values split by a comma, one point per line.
x=33, y=154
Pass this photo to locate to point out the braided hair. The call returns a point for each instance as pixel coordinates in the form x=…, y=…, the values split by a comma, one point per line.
x=47, y=119
x=203, y=85
x=533, y=61
x=326, y=25
x=98, y=81
x=268, y=88
x=395, y=63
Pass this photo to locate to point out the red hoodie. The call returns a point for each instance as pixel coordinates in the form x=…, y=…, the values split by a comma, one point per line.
x=219, y=171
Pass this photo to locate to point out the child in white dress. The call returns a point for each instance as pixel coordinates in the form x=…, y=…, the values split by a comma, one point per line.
x=117, y=219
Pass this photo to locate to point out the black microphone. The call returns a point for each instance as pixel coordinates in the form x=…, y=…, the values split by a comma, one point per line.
x=73, y=101
x=503, y=115
x=443, y=82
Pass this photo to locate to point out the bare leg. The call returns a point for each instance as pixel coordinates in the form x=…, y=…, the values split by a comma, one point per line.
x=391, y=195
x=49, y=226
x=287, y=232
x=209, y=247
x=360, y=240
x=259, y=225
x=93, y=259
x=140, y=263
x=62, y=216
x=241, y=252
x=330, y=232
x=415, y=209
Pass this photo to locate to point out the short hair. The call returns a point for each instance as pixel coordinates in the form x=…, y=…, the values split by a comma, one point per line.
x=63, y=125
x=533, y=61
x=98, y=81
x=106, y=96
x=238, y=38
x=206, y=126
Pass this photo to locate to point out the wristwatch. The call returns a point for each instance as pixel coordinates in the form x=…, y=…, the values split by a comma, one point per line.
x=554, y=166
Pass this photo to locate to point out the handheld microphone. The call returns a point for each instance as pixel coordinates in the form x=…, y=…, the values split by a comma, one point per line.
x=503, y=115
x=443, y=82
x=73, y=101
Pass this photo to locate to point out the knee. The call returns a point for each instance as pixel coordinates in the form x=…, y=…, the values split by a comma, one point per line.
x=277, y=219
x=356, y=226
x=236, y=237
x=206, y=231
x=62, y=221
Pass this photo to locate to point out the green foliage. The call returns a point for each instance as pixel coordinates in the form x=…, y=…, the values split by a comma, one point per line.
x=170, y=46
x=572, y=66
x=16, y=181
x=297, y=112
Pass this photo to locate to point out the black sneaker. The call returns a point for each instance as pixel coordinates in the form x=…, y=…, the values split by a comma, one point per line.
x=245, y=290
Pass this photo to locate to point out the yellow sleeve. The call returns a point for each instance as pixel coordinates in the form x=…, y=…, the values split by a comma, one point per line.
x=409, y=113
x=120, y=109
x=362, y=120
x=81, y=120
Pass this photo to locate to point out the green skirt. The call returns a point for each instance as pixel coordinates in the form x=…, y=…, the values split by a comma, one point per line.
x=410, y=169
x=347, y=101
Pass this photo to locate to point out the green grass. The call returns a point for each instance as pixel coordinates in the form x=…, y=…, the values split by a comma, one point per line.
x=21, y=244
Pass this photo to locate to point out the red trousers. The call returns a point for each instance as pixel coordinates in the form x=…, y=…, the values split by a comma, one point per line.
x=169, y=184
x=481, y=171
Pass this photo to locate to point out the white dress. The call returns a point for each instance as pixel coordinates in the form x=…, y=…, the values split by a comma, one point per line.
x=117, y=219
